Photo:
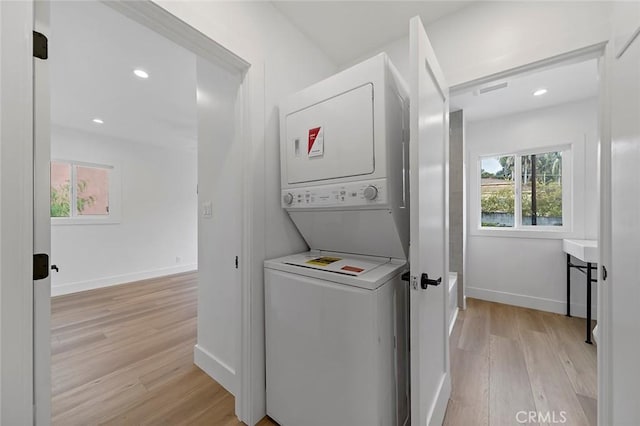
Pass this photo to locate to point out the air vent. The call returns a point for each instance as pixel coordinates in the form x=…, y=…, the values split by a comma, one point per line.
x=488, y=89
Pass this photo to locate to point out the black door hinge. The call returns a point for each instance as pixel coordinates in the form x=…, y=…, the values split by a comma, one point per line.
x=236, y=262
x=40, y=46
x=40, y=266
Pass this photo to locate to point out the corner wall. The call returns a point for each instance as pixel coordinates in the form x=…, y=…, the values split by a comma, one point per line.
x=156, y=234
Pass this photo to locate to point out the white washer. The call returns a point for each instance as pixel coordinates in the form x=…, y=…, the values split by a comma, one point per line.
x=336, y=345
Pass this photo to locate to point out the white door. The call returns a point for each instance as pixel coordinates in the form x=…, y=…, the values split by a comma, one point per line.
x=428, y=151
x=620, y=375
x=41, y=223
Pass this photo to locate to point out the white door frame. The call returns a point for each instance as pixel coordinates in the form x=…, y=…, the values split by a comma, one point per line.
x=164, y=23
x=604, y=52
x=16, y=199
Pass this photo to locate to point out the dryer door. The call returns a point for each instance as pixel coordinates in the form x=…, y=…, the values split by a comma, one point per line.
x=331, y=139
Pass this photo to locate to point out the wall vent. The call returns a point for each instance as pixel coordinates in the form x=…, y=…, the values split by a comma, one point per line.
x=488, y=89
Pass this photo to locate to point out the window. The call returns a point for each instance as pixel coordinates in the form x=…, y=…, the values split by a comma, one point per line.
x=524, y=191
x=81, y=191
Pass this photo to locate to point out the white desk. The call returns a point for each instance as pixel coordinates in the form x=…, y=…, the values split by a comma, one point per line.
x=587, y=252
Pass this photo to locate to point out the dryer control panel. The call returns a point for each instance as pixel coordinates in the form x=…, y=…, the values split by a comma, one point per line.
x=362, y=193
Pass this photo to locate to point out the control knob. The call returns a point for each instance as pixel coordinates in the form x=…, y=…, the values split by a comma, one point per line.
x=370, y=192
x=287, y=198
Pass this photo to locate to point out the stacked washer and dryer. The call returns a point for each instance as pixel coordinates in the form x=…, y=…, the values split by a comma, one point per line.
x=336, y=317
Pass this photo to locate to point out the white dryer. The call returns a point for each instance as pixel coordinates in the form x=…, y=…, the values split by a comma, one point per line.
x=336, y=329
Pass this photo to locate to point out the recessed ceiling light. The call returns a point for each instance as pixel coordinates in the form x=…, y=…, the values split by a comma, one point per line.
x=141, y=73
x=98, y=121
x=539, y=92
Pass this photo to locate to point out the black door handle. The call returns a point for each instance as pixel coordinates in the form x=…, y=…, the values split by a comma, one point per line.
x=426, y=281
x=55, y=268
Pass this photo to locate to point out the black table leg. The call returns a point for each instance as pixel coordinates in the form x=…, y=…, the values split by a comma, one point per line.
x=568, y=285
x=588, y=303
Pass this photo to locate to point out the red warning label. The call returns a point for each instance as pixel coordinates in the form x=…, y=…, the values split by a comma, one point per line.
x=316, y=142
x=352, y=269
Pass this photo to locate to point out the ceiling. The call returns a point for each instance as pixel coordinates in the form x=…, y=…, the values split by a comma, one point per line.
x=94, y=50
x=92, y=54
x=346, y=30
x=564, y=84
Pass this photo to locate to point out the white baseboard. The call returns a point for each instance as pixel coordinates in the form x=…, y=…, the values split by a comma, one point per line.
x=68, y=288
x=548, y=305
x=442, y=400
x=452, y=320
x=216, y=369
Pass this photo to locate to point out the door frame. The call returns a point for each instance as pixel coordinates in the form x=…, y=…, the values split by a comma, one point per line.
x=154, y=17
x=16, y=198
x=16, y=213
x=602, y=51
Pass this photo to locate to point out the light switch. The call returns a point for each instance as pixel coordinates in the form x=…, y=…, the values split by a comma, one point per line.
x=207, y=209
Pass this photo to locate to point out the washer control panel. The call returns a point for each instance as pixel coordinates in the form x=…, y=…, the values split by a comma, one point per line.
x=363, y=193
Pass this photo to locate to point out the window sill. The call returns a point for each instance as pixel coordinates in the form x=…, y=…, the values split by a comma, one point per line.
x=61, y=221
x=542, y=233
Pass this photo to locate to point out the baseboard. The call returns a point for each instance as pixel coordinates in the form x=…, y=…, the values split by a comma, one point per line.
x=440, y=406
x=548, y=305
x=68, y=288
x=453, y=296
x=452, y=320
x=216, y=369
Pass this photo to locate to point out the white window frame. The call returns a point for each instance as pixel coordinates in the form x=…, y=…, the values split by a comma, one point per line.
x=115, y=191
x=529, y=231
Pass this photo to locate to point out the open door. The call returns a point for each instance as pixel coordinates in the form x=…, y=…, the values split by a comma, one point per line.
x=429, y=251
x=41, y=218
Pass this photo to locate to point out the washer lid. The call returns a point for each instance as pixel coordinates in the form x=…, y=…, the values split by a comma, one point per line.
x=359, y=271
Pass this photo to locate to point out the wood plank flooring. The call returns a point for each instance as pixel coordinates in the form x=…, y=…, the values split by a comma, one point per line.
x=123, y=355
x=506, y=359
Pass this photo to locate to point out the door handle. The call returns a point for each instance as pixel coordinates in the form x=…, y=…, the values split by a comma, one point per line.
x=425, y=281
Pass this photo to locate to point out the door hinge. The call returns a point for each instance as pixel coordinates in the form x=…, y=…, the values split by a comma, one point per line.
x=605, y=274
x=236, y=262
x=40, y=266
x=40, y=46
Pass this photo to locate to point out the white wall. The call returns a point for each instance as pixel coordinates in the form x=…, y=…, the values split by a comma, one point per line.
x=528, y=271
x=282, y=61
x=490, y=37
x=158, y=215
x=220, y=234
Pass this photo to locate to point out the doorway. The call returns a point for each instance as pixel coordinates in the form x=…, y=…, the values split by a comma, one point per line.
x=145, y=178
x=526, y=170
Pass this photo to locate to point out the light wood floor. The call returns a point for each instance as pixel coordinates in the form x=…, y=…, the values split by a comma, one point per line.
x=123, y=355
x=506, y=359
